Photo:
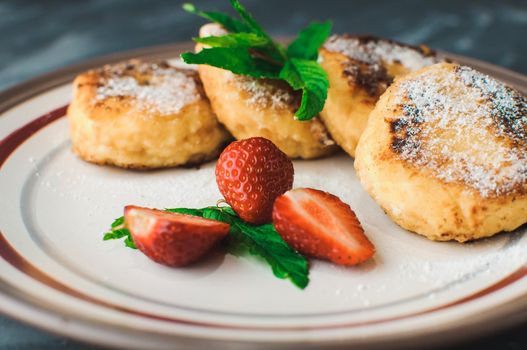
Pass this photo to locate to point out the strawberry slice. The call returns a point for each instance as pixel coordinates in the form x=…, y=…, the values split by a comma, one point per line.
x=170, y=238
x=319, y=224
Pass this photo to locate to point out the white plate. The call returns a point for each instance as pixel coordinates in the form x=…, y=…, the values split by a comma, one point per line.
x=58, y=274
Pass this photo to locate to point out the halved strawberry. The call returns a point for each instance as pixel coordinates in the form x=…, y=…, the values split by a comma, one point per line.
x=319, y=224
x=170, y=238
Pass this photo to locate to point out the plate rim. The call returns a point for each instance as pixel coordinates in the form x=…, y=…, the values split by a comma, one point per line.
x=24, y=91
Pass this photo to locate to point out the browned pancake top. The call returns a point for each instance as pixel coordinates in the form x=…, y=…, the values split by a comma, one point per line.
x=465, y=127
x=368, y=57
x=156, y=87
x=267, y=93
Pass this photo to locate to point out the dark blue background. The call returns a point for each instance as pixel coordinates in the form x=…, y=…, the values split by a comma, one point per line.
x=38, y=36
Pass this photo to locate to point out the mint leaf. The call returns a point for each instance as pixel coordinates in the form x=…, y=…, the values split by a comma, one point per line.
x=250, y=22
x=115, y=234
x=129, y=242
x=309, y=40
x=265, y=242
x=188, y=211
x=277, y=52
x=236, y=59
x=312, y=80
x=229, y=23
x=118, y=222
x=234, y=40
x=118, y=231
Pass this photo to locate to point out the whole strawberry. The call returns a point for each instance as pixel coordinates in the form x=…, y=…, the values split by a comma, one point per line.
x=250, y=174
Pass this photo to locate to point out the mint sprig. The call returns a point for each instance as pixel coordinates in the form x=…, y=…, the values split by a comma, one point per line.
x=249, y=50
x=309, y=40
x=312, y=79
x=233, y=40
x=262, y=241
x=276, y=51
x=236, y=59
x=227, y=22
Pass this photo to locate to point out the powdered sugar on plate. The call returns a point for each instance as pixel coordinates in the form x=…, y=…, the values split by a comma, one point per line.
x=465, y=127
x=155, y=87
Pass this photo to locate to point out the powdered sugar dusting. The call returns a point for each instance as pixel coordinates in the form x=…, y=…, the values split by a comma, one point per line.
x=157, y=88
x=446, y=274
x=265, y=93
x=378, y=51
x=465, y=127
x=508, y=107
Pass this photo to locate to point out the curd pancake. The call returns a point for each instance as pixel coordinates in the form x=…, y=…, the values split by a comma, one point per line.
x=250, y=107
x=445, y=154
x=143, y=115
x=360, y=69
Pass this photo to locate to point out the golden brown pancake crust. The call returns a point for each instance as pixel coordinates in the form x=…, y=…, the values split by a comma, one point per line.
x=143, y=115
x=445, y=154
x=360, y=69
